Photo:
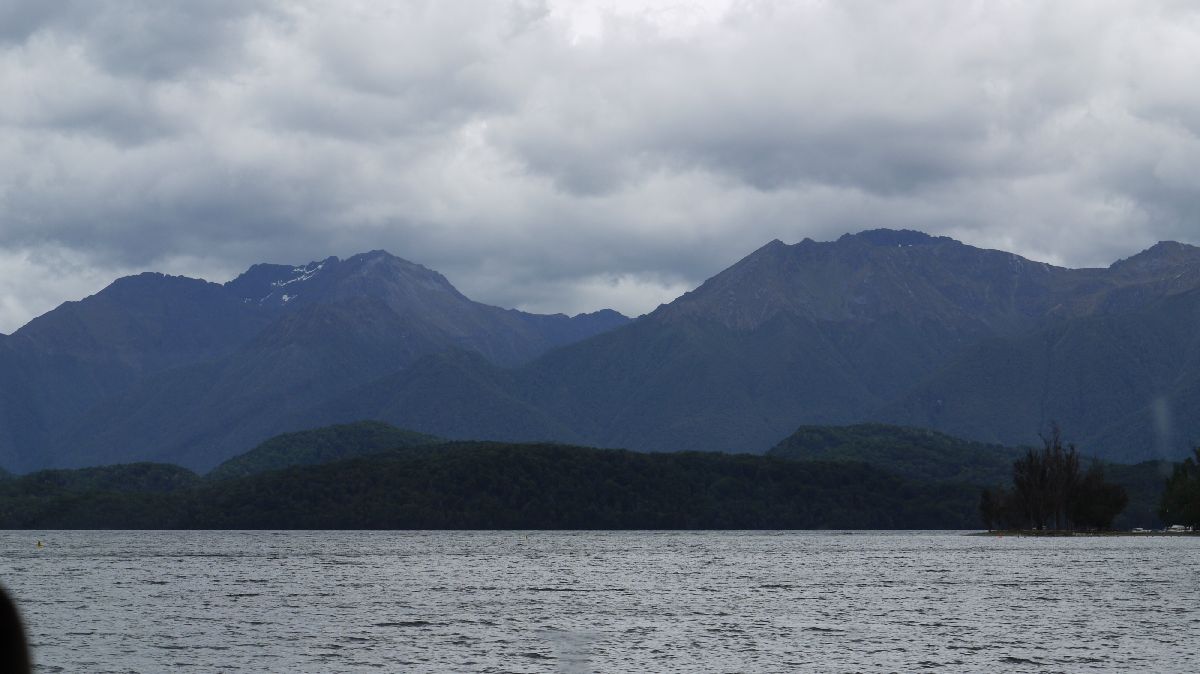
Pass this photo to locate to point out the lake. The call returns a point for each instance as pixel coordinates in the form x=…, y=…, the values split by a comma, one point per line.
x=208, y=601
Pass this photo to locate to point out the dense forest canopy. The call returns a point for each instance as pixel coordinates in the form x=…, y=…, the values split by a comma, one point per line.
x=1181, y=499
x=371, y=475
x=928, y=456
x=499, y=486
x=320, y=445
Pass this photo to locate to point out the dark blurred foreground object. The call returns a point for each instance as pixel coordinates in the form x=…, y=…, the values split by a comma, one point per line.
x=14, y=653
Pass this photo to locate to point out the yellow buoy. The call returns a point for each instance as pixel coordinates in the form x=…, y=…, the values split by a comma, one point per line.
x=39, y=544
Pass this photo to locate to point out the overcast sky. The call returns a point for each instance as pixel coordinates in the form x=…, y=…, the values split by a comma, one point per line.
x=568, y=156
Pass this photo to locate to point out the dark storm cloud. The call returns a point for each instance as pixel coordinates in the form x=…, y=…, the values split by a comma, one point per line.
x=575, y=155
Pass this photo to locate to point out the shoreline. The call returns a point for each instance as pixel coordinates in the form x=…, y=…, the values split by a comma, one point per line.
x=1033, y=533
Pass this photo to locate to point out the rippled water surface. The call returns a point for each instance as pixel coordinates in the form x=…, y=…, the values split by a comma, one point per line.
x=651, y=602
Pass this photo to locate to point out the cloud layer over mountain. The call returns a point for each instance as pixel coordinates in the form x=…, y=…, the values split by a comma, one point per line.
x=567, y=156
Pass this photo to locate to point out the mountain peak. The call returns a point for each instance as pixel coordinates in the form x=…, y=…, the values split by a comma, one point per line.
x=772, y=249
x=379, y=260
x=276, y=284
x=375, y=273
x=377, y=254
x=147, y=285
x=380, y=272
x=1161, y=255
x=894, y=237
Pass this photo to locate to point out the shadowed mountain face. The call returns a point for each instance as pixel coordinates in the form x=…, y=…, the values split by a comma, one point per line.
x=1123, y=382
x=58, y=366
x=433, y=311
x=898, y=326
x=185, y=370
x=879, y=326
x=888, y=326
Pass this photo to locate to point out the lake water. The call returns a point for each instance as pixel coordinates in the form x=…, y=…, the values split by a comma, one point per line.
x=611, y=602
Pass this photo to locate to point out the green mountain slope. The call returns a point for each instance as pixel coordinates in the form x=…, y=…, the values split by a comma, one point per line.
x=931, y=457
x=130, y=477
x=500, y=486
x=912, y=453
x=370, y=475
x=130, y=496
x=318, y=446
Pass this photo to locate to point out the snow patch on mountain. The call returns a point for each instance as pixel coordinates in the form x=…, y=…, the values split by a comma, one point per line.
x=304, y=274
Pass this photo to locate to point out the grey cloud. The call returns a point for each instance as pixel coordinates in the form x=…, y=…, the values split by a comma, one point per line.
x=19, y=19
x=167, y=40
x=152, y=40
x=758, y=108
x=566, y=156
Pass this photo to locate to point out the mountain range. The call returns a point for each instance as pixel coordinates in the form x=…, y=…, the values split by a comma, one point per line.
x=886, y=326
x=164, y=367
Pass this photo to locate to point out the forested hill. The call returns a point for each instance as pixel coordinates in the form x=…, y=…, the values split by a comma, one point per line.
x=513, y=486
x=502, y=486
x=913, y=453
x=320, y=445
x=928, y=456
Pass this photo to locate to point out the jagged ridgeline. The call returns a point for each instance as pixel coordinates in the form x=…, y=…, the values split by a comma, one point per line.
x=884, y=326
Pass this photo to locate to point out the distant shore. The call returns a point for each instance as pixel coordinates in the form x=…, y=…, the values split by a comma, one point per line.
x=1089, y=534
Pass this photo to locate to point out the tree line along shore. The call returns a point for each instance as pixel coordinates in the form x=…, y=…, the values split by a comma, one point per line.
x=369, y=475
